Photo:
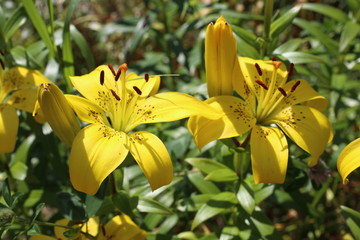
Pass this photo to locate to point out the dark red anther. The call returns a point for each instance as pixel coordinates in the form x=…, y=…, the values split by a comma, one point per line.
x=102, y=77
x=118, y=75
x=2, y=64
x=115, y=95
x=261, y=83
x=291, y=70
x=137, y=90
x=112, y=69
x=292, y=89
x=258, y=69
x=282, y=91
x=146, y=77
x=103, y=229
x=273, y=58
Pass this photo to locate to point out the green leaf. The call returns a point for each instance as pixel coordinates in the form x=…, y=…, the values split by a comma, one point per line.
x=19, y=171
x=16, y=20
x=280, y=24
x=37, y=212
x=230, y=233
x=152, y=206
x=352, y=218
x=39, y=25
x=83, y=46
x=203, y=186
x=219, y=203
x=34, y=230
x=222, y=175
x=264, y=226
x=264, y=193
x=205, y=165
x=122, y=201
x=302, y=57
x=6, y=193
x=34, y=197
x=248, y=37
x=326, y=10
x=289, y=46
x=350, y=31
x=246, y=198
x=14, y=199
x=92, y=204
x=72, y=233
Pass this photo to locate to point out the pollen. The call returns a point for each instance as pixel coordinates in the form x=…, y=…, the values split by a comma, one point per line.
x=146, y=77
x=258, y=69
x=102, y=77
x=282, y=91
x=292, y=89
x=115, y=95
x=261, y=83
x=137, y=90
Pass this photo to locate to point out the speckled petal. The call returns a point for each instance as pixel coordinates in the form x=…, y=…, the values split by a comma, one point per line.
x=153, y=158
x=9, y=123
x=307, y=127
x=237, y=118
x=23, y=99
x=349, y=159
x=269, y=154
x=96, y=152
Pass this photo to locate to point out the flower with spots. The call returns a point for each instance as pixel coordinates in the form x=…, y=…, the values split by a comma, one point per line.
x=17, y=91
x=349, y=159
x=114, y=104
x=268, y=109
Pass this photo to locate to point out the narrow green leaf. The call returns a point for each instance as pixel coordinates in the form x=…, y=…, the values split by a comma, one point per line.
x=264, y=193
x=34, y=197
x=6, y=193
x=39, y=25
x=289, y=46
x=152, y=206
x=16, y=20
x=352, y=218
x=222, y=175
x=51, y=18
x=122, y=201
x=37, y=212
x=83, y=46
x=302, y=57
x=248, y=37
x=14, y=199
x=280, y=24
x=350, y=31
x=205, y=165
x=229, y=233
x=203, y=186
x=246, y=199
x=219, y=203
x=326, y=10
x=265, y=227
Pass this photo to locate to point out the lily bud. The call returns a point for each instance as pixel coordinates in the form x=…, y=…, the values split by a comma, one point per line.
x=57, y=111
x=221, y=62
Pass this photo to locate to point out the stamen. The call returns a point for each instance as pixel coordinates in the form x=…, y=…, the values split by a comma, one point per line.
x=112, y=69
x=103, y=229
x=292, y=89
x=123, y=67
x=102, y=77
x=291, y=70
x=146, y=77
x=273, y=58
x=137, y=90
x=2, y=64
x=115, y=95
x=282, y=91
x=276, y=64
x=258, y=69
x=261, y=83
x=118, y=75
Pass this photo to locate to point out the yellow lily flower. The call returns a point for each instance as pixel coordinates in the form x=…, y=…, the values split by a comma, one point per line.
x=17, y=91
x=269, y=108
x=114, y=104
x=221, y=62
x=349, y=159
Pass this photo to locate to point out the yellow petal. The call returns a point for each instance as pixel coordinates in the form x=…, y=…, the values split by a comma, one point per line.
x=58, y=112
x=97, y=151
x=147, y=88
x=269, y=154
x=59, y=231
x=153, y=158
x=169, y=106
x=86, y=110
x=91, y=226
x=23, y=99
x=121, y=227
x=349, y=159
x=9, y=123
x=38, y=113
x=303, y=94
x=21, y=78
x=307, y=127
x=237, y=118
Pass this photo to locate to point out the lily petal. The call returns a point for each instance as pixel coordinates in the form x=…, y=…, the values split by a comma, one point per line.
x=269, y=154
x=97, y=150
x=153, y=158
x=9, y=123
x=23, y=99
x=169, y=106
x=86, y=110
x=122, y=227
x=307, y=127
x=349, y=159
x=237, y=118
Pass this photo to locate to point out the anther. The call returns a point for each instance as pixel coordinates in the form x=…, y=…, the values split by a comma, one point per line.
x=282, y=91
x=258, y=69
x=276, y=64
x=2, y=64
x=123, y=67
x=103, y=229
x=115, y=95
x=291, y=70
x=102, y=77
x=261, y=83
x=146, y=77
x=137, y=90
x=273, y=58
x=292, y=89
x=117, y=76
x=112, y=69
